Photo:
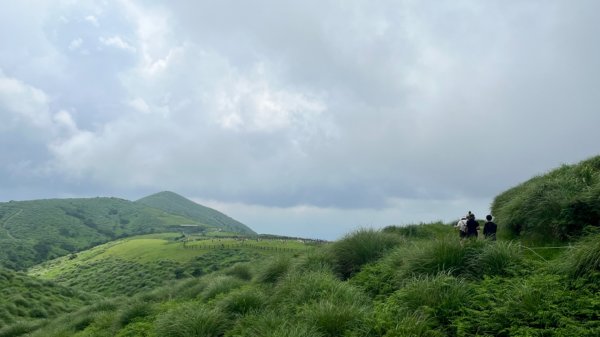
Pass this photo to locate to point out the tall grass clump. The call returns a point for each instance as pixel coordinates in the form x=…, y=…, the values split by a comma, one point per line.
x=359, y=248
x=191, y=320
x=383, y=277
x=583, y=261
x=272, y=324
x=274, y=270
x=243, y=301
x=500, y=258
x=220, y=285
x=19, y=329
x=448, y=255
x=240, y=270
x=135, y=311
x=302, y=288
x=436, y=300
x=333, y=319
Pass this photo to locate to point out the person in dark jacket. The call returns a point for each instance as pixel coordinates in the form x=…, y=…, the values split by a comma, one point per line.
x=489, y=229
x=472, y=226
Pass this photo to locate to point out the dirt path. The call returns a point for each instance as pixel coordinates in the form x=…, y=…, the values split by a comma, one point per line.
x=7, y=220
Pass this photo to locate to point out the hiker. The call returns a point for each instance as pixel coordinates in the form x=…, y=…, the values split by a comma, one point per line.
x=489, y=229
x=472, y=226
x=462, y=227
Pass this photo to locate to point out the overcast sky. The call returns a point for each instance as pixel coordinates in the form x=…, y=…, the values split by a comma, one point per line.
x=308, y=118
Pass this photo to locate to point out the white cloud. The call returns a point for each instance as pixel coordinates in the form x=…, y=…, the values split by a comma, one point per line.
x=75, y=44
x=93, y=20
x=23, y=104
x=117, y=42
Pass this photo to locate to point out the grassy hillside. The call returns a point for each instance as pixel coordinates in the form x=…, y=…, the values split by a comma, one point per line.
x=557, y=206
x=129, y=266
x=38, y=230
x=24, y=298
x=176, y=204
x=422, y=281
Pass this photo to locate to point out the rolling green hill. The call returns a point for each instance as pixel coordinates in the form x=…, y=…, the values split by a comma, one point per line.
x=39, y=230
x=556, y=206
x=140, y=263
x=176, y=204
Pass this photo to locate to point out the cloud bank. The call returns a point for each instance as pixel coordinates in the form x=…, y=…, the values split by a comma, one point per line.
x=275, y=105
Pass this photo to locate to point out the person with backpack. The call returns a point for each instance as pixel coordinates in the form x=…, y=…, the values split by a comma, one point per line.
x=489, y=229
x=472, y=227
x=462, y=227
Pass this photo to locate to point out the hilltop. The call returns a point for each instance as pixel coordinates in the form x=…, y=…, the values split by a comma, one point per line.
x=560, y=205
x=173, y=203
x=38, y=230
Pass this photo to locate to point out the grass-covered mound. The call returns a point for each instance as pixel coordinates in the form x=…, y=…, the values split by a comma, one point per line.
x=24, y=298
x=555, y=206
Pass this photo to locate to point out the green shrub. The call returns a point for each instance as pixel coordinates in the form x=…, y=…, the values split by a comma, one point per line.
x=191, y=320
x=359, y=248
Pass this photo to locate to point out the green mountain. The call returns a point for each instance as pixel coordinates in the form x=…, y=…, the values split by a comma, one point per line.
x=557, y=206
x=175, y=204
x=38, y=230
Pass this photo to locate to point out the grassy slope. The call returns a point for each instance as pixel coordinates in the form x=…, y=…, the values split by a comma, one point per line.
x=23, y=297
x=135, y=264
x=34, y=231
x=401, y=283
x=176, y=204
x=556, y=206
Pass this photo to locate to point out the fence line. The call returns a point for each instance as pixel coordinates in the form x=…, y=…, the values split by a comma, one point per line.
x=224, y=246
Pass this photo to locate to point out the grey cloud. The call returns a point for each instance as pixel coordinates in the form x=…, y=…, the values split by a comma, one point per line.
x=333, y=104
